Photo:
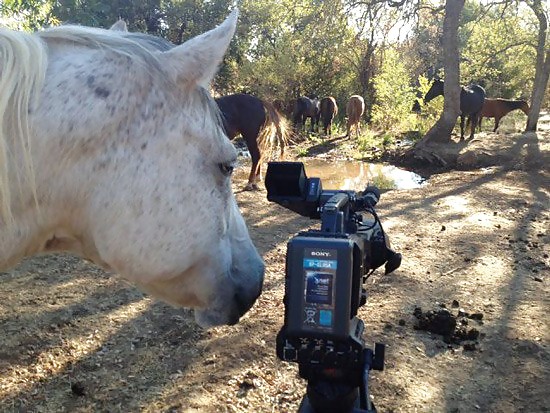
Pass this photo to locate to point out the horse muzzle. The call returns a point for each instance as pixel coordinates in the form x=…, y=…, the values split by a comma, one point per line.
x=229, y=311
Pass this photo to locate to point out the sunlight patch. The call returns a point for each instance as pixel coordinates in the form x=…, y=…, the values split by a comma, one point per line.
x=482, y=219
x=455, y=203
x=492, y=267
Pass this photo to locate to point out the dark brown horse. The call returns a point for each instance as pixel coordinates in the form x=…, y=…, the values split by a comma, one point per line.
x=306, y=108
x=329, y=109
x=498, y=108
x=471, y=102
x=260, y=125
x=354, y=111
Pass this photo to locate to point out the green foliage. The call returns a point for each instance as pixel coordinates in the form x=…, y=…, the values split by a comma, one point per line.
x=28, y=15
x=499, y=54
x=367, y=140
x=287, y=48
x=394, y=95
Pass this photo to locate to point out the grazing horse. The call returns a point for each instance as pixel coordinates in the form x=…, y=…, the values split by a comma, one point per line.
x=94, y=159
x=259, y=123
x=471, y=102
x=498, y=108
x=354, y=111
x=306, y=108
x=329, y=109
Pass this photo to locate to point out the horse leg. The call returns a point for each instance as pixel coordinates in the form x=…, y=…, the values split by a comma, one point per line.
x=280, y=141
x=255, y=156
x=473, y=123
x=462, y=118
x=497, y=121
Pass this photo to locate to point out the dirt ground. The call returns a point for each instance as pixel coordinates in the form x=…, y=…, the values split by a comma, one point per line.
x=474, y=239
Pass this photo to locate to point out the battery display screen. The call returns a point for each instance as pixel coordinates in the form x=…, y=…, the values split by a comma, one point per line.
x=319, y=268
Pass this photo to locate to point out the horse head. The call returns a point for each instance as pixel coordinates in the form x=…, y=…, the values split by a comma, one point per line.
x=435, y=90
x=524, y=107
x=123, y=159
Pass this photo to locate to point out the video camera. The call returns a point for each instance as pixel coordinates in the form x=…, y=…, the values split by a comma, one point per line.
x=325, y=272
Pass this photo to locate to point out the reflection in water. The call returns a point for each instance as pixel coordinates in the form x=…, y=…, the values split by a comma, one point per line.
x=355, y=175
x=350, y=175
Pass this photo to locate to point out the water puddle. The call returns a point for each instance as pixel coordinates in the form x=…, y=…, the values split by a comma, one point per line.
x=350, y=175
x=355, y=175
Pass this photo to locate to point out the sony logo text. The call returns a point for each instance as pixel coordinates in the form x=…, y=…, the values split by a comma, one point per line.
x=320, y=254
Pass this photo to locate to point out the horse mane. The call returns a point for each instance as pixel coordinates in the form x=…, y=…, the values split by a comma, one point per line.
x=23, y=66
x=139, y=49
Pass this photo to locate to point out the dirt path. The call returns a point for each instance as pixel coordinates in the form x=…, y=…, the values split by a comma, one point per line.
x=77, y=339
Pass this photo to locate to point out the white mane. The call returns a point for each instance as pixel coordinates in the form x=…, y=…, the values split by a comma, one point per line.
x=23, y=63
x=118, y=42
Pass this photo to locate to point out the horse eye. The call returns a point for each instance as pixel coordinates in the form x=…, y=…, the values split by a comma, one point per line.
x=226, y=168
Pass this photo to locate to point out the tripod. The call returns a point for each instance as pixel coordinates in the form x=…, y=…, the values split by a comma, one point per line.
x=325, y=396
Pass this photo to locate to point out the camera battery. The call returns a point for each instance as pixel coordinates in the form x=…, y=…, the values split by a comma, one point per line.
x=319, y=287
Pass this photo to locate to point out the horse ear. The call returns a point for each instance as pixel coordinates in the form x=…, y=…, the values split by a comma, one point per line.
x=119, y=26
x=196, y=61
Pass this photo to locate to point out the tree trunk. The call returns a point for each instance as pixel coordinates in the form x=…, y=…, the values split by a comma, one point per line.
x=441, y=130
x=542, y=68
x=366, y=76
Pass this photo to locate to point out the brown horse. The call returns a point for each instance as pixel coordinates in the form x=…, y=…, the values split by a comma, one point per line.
x=329, y=109
x=260, y=124
x=498, y=108
x=354, y=111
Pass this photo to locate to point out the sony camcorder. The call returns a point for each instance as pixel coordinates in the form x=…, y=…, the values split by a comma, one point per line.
x=325, y=273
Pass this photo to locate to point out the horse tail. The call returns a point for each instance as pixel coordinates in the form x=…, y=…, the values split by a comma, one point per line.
x=23, y=63
x=276, y=130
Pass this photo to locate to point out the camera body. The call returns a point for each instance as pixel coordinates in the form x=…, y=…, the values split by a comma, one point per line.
x=321, y=331
x=325, y=272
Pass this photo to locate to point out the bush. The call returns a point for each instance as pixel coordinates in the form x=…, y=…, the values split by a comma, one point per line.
x=392, y=111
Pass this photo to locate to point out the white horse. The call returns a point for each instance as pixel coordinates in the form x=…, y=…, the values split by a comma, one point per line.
x=115, y=151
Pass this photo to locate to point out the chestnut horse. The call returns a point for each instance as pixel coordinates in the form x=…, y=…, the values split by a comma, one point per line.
x=354, y=110
x=498, y=108
x=260, y=125
x=329, y=109
x=471, y=102
x=94, y=159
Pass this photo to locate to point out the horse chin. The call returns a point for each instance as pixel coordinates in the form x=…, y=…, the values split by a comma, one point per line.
x=207, y=318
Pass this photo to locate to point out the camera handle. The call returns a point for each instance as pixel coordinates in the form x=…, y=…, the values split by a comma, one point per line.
x=338, y=398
